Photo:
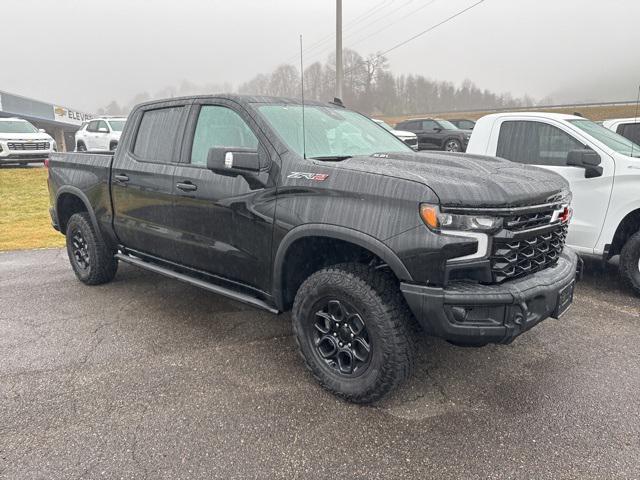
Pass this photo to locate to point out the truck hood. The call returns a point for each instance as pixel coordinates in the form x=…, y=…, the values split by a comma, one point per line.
x=464, y=180
x=37, y=136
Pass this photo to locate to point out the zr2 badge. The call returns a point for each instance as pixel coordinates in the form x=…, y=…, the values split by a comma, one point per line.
x=318, y=177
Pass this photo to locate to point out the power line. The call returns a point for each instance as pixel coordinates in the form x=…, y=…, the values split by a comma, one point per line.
x=410, y=39
x=376, y=9
x=385, y=16
x=391, y=24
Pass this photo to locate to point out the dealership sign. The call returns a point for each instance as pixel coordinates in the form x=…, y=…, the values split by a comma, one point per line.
x=66, y=115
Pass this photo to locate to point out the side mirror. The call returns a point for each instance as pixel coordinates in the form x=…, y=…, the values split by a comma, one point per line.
x=587, y=159
x=42, y=130
x=437, y=129
x=234, y=162
x=103, y=130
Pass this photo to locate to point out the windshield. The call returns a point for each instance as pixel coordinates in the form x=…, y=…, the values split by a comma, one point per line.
x=17, y=126
x=447, y=125
x=330, y=132
x=611, y=139
x=117, y=125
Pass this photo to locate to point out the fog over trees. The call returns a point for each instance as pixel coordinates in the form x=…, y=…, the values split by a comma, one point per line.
x=369, y=87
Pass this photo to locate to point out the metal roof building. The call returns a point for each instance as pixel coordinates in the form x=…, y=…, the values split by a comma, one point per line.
x=59, y=121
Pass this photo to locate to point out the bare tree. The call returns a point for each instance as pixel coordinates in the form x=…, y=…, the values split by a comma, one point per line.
x=369, y=87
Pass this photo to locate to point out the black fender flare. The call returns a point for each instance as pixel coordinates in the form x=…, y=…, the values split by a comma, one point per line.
x=68, y=189
x=346, y=234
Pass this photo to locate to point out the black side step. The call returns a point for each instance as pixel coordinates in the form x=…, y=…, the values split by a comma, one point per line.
x=227, y=292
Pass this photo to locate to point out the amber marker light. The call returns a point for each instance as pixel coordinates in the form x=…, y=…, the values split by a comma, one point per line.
x=429, y=215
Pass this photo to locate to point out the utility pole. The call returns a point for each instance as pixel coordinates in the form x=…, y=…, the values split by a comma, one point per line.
x=339, y=72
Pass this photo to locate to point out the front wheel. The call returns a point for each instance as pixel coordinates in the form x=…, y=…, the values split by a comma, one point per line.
x=92, y=261
x=81, y=147
x=354, y=331
x=452, y=145
x=630, y=262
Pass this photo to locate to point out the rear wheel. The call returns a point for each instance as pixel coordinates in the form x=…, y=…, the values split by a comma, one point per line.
x=354, y=331
x=92, y=261
x=452, y=145
x=630, y=262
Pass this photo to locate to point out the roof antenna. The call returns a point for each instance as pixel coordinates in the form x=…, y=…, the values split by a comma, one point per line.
x=304, y=140
x=636, y=117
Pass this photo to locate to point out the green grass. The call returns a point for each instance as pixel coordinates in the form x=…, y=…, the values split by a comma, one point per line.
x=24, y=210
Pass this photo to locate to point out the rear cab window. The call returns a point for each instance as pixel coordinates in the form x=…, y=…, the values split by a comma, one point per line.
x=157, y=134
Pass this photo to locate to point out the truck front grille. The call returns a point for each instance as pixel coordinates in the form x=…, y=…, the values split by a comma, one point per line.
x=28, y=145
x=529, y=220
x=514, y=258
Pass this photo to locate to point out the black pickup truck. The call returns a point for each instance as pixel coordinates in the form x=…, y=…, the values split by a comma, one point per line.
x=366, y=241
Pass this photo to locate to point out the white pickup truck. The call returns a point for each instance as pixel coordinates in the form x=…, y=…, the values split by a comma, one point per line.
x=602, y=167
x=627, y=127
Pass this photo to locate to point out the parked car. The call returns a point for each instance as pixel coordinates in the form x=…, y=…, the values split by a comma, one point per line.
x=22, y=143
x=100, y=134
x=602, y=167
x=436, y=134
x=357, y=234
x=463, y=123
x=627, y=127
x=409, y=138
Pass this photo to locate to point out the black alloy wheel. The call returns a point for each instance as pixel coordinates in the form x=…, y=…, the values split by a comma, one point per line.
x=80, y=250
x=341, y=338
x=452, y=145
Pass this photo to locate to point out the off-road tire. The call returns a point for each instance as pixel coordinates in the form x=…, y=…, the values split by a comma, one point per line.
x=101, y=265
x=391, y=327
x=630, y=262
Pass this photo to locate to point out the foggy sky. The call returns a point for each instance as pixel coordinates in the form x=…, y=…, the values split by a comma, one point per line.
x=85, y=53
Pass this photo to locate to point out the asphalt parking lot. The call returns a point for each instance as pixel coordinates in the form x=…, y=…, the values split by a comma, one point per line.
x=147, y=377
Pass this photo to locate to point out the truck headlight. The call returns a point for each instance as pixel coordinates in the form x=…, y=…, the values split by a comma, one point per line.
x=439, y=221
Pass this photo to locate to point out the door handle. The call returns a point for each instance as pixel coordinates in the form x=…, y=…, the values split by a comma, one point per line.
x=121, y=177
x=186, y=186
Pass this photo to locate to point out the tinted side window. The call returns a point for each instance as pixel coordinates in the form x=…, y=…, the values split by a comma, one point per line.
x=219, y=127
x=102, y=124
x=157, y=134
x=535, y=143
x=630, y=131
x=429, y=125
x=411, y=126
x=93, y=126
x=465, y=125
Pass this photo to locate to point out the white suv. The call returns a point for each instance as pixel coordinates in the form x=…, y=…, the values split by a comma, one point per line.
x=100, y=134
x=21, y=142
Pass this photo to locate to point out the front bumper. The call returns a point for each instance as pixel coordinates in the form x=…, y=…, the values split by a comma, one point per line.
x=473, y=313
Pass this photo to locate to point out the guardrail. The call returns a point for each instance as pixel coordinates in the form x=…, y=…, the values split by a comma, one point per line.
x=529, y=107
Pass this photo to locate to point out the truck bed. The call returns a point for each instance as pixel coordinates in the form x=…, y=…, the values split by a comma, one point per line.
x=86, y=175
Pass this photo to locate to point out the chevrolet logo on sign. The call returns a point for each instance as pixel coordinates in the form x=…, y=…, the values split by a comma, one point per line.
x=66, y=115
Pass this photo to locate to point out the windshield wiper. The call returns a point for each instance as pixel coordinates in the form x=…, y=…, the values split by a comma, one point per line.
x=332, y=158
